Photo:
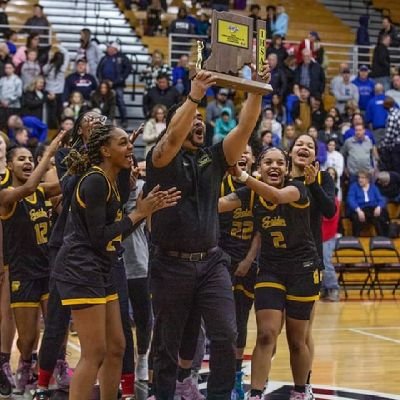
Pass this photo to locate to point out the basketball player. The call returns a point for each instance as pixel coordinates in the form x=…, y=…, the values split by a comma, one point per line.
x=26, y=225
x=288, y=277
x=94, y=232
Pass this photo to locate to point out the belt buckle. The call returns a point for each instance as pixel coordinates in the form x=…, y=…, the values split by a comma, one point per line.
x=194, y=257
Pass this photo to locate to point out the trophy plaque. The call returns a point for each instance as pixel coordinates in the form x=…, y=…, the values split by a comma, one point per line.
x=231, y=49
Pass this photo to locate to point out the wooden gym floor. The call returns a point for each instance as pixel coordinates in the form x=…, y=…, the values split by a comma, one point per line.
x=357, y=351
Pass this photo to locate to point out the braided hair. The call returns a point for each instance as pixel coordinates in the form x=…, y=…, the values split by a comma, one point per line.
x=80, y=162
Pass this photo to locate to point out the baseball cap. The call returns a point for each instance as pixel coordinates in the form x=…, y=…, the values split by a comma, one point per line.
x=224, y=91
x=363, y=68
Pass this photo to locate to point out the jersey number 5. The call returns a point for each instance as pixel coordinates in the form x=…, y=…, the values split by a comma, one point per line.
x=278, y=240
x=41, y=232
x=242, y=230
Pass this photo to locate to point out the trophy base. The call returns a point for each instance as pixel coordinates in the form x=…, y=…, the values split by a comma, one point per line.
x=234, y=82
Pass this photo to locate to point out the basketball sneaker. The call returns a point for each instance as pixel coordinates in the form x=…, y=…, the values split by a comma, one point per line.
x=61, y=374
x=6, y=367
x=299, y=396
x=255, y=398
x=188, y=390
x=5, y=386
x=238, y=391
x=309, y=391
x=23, y=376
x=42, y=394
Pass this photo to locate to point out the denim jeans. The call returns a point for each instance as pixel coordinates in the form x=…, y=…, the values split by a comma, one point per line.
x=329, y=279
x=119, y=91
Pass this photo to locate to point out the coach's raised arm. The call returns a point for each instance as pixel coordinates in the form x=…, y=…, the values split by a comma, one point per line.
x=181, y=123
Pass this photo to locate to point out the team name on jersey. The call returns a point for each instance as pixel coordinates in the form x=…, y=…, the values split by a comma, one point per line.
x=37, y=214
x=269, y=222
x=240, y=213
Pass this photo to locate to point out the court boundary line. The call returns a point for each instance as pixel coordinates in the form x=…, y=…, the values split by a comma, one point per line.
x=374, y=335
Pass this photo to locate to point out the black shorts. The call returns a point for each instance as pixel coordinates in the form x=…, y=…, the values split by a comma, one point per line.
x=79, y=295
x=244, y=284
x=294, y=293
x=29, y=293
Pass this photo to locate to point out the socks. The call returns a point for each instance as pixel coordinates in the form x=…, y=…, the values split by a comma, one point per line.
x=128, y=384
x=255, y=392
x=239, y=362
x=309, y=378
x=183, y=373
x=4, y=358
x=299, y=389
x=150, y=389
x=44, y=378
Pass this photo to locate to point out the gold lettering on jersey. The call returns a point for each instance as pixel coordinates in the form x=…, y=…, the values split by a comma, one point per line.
x=37, y=214
x=15, y=285
x=240, y=213
x=111, y=244
x=118, y=216
x=269, y=222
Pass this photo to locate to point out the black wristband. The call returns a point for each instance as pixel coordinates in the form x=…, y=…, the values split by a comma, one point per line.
x=193, y=100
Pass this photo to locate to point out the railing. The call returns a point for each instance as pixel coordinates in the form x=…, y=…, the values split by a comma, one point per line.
x=24, y=30
x=336, y=53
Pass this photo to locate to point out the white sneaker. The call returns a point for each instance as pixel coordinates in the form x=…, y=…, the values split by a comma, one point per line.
x=309, y=392
x=298, y=396
x=142, y=368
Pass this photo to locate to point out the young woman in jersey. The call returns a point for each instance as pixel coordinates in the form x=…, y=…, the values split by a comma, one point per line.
x=26, y=225
x=288, y=278
x=321, y=191
x=7, y=324
x=93, y=234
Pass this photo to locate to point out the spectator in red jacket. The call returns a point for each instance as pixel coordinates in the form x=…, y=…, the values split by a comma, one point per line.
x=329, y=284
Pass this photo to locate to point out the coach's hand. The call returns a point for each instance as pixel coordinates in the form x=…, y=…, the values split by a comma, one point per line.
x=201, y=83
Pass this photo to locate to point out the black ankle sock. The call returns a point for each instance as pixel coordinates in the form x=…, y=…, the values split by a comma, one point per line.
x=239, y=362
x=150, y=389
x=309, y=377
x=4, y=358
x=255, y=392
x=299, y=388
x=34, y=356
x=183, y=373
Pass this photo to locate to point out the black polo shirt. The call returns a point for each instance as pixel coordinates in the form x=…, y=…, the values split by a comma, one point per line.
x=192, y=225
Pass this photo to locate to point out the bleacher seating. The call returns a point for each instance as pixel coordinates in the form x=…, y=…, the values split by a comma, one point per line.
x=389, y=7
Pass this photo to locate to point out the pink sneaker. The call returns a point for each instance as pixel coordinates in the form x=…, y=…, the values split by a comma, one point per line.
x=188, y=390
x=61, y=374
x=23, y=376
x=299, y=396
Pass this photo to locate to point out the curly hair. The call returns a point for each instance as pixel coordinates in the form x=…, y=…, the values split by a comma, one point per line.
x=80, y=161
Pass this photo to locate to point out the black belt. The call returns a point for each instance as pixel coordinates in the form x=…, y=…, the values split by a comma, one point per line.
x=196, y=256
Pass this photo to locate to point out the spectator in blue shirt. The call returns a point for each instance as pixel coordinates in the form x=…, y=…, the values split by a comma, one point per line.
x=281, y=24
x=376, y=114
x=356, y=119
x=365, y=87
x=367, y=205
x=180, y=75
x=116, y=67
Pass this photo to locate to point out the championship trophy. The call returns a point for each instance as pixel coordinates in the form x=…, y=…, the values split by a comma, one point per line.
x=231, y=49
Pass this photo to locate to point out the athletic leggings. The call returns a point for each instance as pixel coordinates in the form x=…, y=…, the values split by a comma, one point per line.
x=58, y=317
x=139, y=296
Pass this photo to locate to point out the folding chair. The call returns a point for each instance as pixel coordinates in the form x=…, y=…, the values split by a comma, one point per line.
x=350, y=258
x=384, y=259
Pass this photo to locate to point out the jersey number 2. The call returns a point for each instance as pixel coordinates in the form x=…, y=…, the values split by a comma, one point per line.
x=278, y=240
x=41, y=232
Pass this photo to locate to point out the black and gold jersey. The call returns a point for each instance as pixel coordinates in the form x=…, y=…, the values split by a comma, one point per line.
x=6, y=179
x=287, y=243
x=26, y=229
x=93, y=232
x=236, y=227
